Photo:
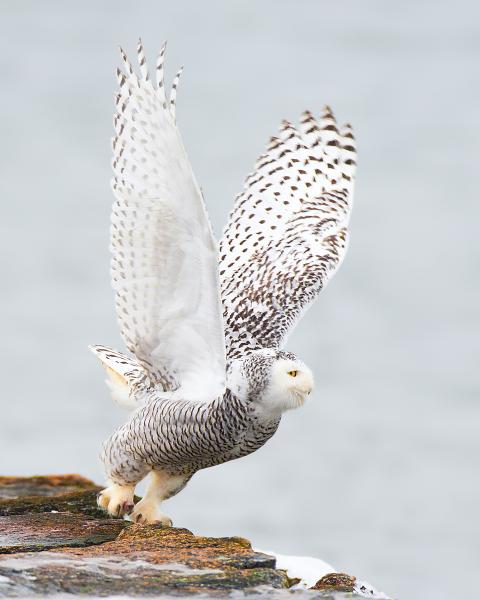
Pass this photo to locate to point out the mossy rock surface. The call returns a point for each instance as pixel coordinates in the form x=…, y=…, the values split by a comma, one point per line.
x=43, y=531
x=80, y=502
x=54, y=540
x=54, y=573
x=43, y=485
x=167, y=545
x=140, y=561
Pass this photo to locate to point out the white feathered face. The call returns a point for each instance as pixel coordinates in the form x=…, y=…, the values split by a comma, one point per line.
x=273, y=380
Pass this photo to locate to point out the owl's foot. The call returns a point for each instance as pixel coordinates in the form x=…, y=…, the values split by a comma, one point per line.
x=117, y=500
x=147, y=512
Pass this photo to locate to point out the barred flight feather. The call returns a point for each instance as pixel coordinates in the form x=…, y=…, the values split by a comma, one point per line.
x=287, y=233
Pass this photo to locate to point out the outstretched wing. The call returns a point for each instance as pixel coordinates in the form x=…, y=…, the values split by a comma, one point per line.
x=164, y=257
x=287, y=233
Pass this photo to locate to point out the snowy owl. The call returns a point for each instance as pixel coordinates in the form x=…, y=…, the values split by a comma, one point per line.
x=209, y=381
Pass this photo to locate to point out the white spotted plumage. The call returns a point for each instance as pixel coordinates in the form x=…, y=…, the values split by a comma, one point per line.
x=205, y=389
x=164, y=256
x=287, y=233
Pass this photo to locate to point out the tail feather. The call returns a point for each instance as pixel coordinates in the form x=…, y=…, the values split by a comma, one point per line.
x=125, y=375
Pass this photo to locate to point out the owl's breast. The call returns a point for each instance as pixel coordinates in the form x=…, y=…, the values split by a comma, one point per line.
x=253, y=436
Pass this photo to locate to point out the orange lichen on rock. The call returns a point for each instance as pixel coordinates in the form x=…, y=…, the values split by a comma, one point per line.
x=159, y=545
x=55, y=540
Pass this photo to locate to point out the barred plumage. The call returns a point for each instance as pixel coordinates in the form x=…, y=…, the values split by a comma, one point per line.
x=189, y=436
x=206, y=390
x=287, y=233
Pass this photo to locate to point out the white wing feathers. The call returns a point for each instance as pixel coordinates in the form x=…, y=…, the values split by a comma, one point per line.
x=164, y=257
x=287, y=233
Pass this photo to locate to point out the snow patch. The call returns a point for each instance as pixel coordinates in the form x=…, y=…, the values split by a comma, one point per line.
x=309, y=570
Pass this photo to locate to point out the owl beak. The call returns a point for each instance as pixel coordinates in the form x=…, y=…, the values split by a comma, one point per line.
x=302, y=390
x=306, y=390
x=304, y=387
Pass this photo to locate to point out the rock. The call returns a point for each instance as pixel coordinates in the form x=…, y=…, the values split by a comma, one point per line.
x=74, y=502
x=161, y=545
x=44, y=485
x=49, y=573
x=142, y=560
x=54, y=540
x=48, y=493
x=340, y=582
x=43, y=531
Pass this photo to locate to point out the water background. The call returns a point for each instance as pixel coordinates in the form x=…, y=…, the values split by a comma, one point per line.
x=379, y=473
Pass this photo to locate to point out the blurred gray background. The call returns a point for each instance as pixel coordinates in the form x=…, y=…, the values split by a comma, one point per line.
x=379, y=473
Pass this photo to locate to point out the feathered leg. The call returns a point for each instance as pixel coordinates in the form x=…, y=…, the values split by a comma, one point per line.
x=162, y=486
x=123, y=472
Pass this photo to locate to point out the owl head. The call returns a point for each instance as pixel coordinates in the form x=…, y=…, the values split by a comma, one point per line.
x=272, y=380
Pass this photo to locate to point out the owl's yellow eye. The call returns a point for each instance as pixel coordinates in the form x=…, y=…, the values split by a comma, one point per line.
x=292, y=373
